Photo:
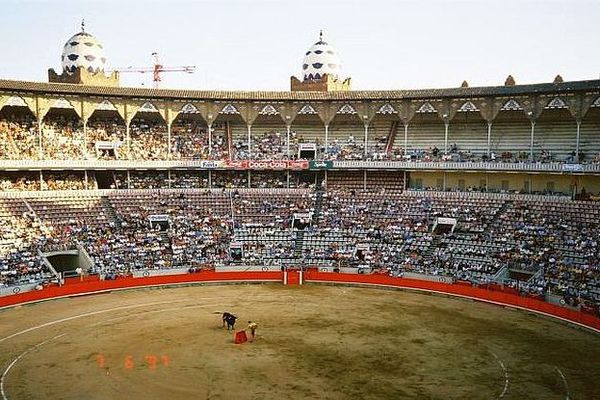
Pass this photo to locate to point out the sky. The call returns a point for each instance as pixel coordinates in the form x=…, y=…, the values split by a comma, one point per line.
x=259, y=44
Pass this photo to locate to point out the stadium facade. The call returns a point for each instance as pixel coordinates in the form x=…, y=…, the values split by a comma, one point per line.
x=480, y=184
x=536, y=138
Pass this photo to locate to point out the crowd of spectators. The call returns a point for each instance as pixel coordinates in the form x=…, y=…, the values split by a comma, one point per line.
x=189, y=140
x=148, y=141
x=345, y=149
x=534, y=246
x=189, y=180
x=19, y=139
x=67, y=181
x=13, y=182
x=144, y=180
x=230, y=179
x=268, y=179
x=63, y=137
x=21, y=235
x=105, y=139
x=269, y=146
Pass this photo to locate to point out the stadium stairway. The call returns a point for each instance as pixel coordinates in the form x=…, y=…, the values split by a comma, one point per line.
x=229, y=137
x=110, y=211
x=36, y=218
x=318, y=206
x=505, y=206
x=435, y=243
x=391, y=137
x=166, y=239
x=298, y=244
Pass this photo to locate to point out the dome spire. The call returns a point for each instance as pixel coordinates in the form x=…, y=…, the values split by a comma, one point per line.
x=82, y=25
x=321, y=69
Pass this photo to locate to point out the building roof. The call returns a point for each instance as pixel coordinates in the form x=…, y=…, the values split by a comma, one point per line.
x=356, y=95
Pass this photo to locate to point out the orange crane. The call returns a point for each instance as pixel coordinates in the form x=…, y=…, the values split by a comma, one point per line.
x=158, y=69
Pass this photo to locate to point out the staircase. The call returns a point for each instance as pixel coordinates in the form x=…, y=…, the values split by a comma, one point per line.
x=31, y=210
x=391, y=137
x=164, y=236
x=501, y=211
x=298, y=244
x=36, y=217
x=435, y=243
x=110, y=211
x=318, y=206
x=229, y=138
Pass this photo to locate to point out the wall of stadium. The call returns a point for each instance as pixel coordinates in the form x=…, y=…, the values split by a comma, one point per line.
x=524, y=183
x=75, y=287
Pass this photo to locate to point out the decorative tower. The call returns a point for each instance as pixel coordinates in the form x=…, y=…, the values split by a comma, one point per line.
x=321, y=70
x=83, y=62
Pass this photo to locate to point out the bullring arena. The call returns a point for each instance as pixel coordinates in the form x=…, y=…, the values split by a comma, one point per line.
x=313, y=342
x=389, y=244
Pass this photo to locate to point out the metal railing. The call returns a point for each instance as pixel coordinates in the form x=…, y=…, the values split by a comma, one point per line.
x=220, y=165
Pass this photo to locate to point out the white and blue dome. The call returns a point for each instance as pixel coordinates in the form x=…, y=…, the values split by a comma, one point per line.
x=83, y=50
x=319, y=60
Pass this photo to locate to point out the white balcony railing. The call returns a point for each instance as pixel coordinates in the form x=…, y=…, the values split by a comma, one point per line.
x=339, y=165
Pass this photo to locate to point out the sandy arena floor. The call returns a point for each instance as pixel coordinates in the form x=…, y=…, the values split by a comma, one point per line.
x=314, y=342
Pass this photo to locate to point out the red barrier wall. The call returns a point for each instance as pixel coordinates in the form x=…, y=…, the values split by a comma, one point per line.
x=75, y=287
x=490, y=296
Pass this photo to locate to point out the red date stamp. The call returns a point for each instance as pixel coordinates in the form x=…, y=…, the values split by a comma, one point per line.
x=128, y=362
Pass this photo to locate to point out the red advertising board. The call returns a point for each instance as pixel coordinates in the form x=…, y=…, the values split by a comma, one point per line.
x=297, y=165
x=233, y=164
x=267, y=164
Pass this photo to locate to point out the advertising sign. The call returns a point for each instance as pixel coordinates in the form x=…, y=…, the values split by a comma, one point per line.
x=276, y=165
x=211, y=164
x=233, y=164
x=321, y=165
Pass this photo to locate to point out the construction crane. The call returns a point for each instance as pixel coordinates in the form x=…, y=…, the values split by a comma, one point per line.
x=157, y=70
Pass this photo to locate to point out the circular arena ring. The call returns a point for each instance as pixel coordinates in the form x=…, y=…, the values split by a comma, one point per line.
x=313, y=342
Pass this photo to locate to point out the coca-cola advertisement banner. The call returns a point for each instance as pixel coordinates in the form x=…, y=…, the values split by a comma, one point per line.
x=267, y=164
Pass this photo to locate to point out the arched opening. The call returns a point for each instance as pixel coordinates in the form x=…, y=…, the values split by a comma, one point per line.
x=105, y=135
x=589, y=136
x=148, y=136
x=425, y=138
x=346, y=138
x=18, y=134
x=307, y=130
x=269, y=138
x=230, y=137
x=62, y=135
x=467, y=136
x=189, y=137
x=383, y=131
x=510, y=138
x=555, y=136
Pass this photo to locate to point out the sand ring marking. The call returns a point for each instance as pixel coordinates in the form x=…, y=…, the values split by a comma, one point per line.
x=23, y=354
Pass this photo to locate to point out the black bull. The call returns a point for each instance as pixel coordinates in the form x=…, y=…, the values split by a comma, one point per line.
x=229, y=319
